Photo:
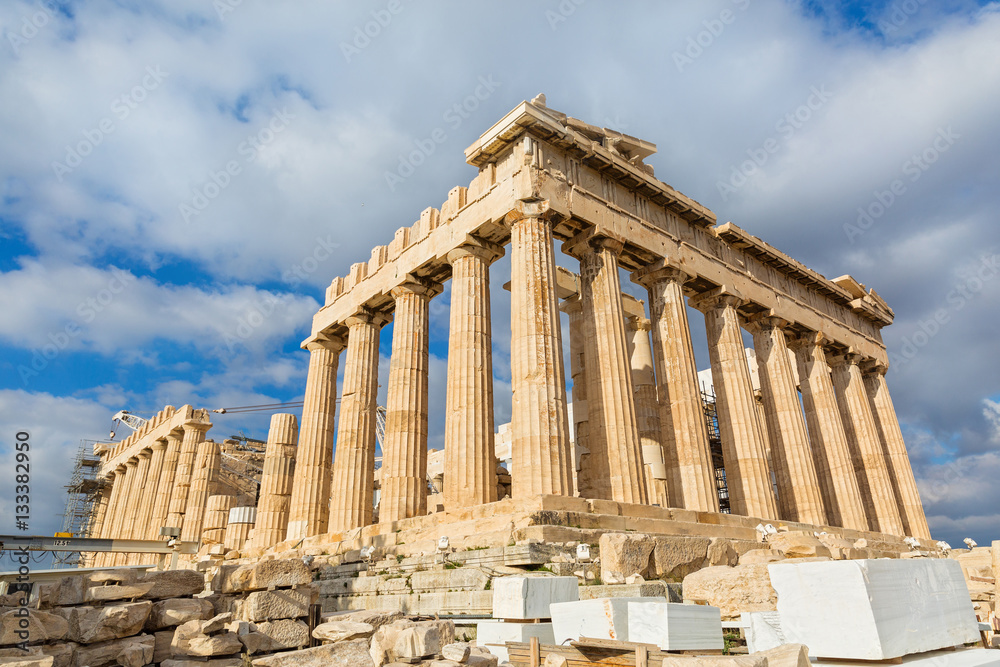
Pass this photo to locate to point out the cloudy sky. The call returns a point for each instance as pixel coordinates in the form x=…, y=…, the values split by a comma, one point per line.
x=180, y=180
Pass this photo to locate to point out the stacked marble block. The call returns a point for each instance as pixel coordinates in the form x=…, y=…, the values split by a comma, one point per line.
x=669, y=625
x=269, y=601
x=521, y=610
x=867, y=609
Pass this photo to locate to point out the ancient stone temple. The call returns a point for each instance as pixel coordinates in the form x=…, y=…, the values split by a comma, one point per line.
x=820, y=446
x=806, y=437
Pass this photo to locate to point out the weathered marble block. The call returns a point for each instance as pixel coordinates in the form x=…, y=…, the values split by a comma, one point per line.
x=524, y=598
x=601, y=618
x=499, y=632
x=675, y=627
x=874, y=609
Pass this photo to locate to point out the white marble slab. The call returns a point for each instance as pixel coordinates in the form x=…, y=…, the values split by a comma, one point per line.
x=874, y=609
x=529, y=597
x=675, y=627
x=762, y=630
x=600, y=618
x=499, y=632
x=971, y=657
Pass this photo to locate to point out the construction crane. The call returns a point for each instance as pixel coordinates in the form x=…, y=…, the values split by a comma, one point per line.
x=125, y=417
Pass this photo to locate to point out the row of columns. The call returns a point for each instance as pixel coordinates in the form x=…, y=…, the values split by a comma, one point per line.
x=134, y=501
x=151, y=490
x=837, y=457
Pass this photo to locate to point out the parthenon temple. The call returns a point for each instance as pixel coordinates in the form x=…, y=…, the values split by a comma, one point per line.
x=618, y=431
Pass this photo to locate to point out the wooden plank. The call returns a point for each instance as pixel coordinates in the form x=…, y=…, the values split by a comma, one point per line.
x=641, y=657
x=615, y=644
x=536, y=653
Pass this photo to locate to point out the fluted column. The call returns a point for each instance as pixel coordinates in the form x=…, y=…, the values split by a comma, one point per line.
x=470, y=460
x=747, y=475
x=799, y=496
x=126, y=509
x=542, y=454
x=690, y=473
x=353, y=480
x=404, y=452
x=828, y=441
x=204, y=479
x=165, y=487
x=870, y=463
x=610, y=379
x=193, y=434
x=149, y=492
x=886, y=423
x=276, y=484
x=583, y=485
x=647, y=411
x=309, y=513
x=217, y=518
x=115, y=480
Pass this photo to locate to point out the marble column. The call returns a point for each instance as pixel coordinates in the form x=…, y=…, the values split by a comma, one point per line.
x=691, y=480
x=193, y=434
x=887, y=425
x=353, y=480
x=276, y=482
x=470, y=460
x=583, y=485
x=870, y=464
x=309, y=513
x=149, y=493
x=217, y=518
x=611, y=375
x=799, y=496
x=827, y=439
x=204, y=480
x=165, y=487
x=647, y=412
x=404, y=452
x=541, y=449
x=747, y=475
x=116, y=480
x=126, y=507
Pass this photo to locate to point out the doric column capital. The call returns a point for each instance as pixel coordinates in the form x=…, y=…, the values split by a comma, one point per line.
x=527, y=208
x=477, y=247
x=637, y=323
x=145, y=454
x=573, y=304
x=661, y=271
x=808, y=339
x=720, y=297
x=132, y=462
x=197, y=427
x=366, y=316
x=765, y=322
x=324, y=341
x=590, y=241
x=846, y=359
x=159, y=444
x=873, y=367
x=416, y=285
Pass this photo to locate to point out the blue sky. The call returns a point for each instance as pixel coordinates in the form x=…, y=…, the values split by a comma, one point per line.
x=179, y=181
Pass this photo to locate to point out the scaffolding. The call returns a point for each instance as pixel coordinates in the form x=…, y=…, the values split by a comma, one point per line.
x=715, y=446
x=81, y=499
